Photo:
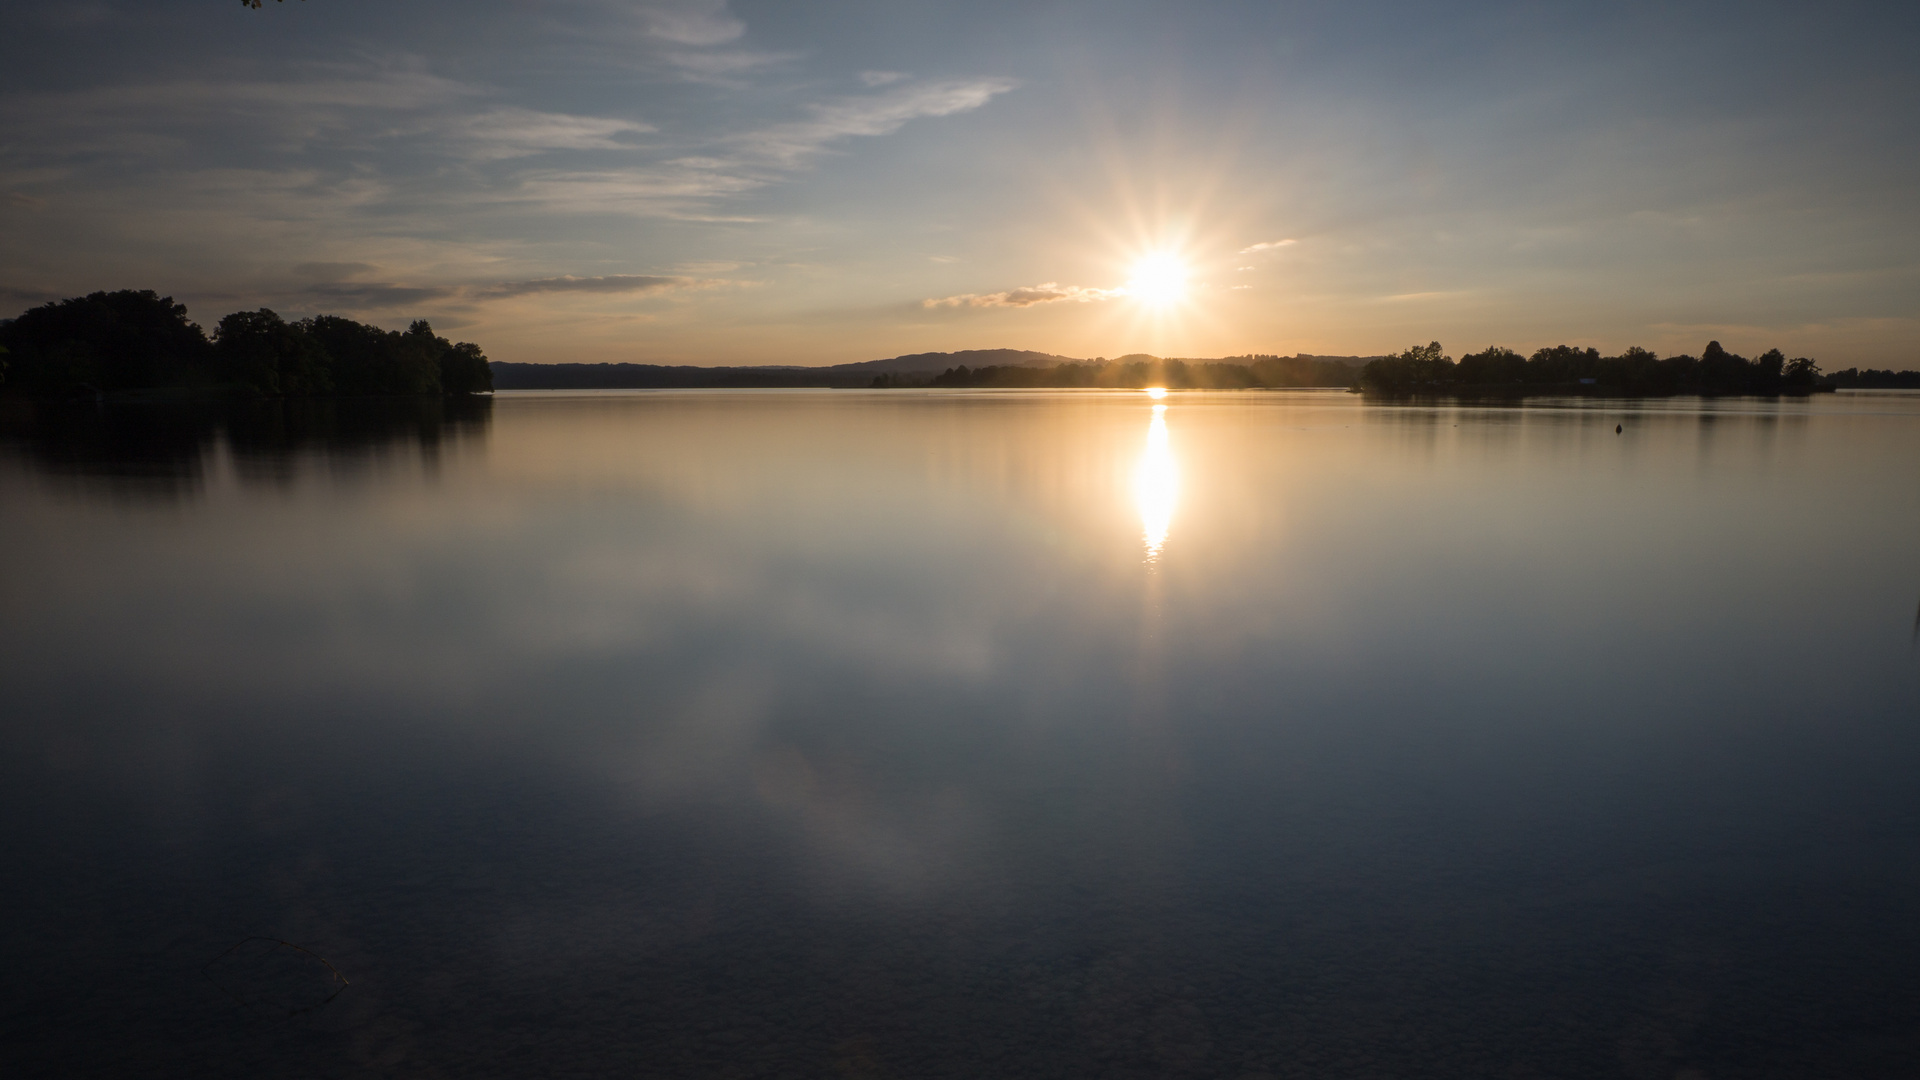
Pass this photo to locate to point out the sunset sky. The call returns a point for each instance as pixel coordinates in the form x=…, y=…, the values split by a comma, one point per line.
x=696, y=181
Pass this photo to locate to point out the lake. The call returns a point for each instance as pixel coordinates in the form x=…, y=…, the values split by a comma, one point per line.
x=1018, y=734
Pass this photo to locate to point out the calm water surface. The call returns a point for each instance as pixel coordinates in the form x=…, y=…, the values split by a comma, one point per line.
x=970, y=735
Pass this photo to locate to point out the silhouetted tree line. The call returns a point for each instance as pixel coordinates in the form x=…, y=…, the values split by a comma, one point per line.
x=1426, y=369
x=138, y=340
x=1140, y=370
x=1873, y=379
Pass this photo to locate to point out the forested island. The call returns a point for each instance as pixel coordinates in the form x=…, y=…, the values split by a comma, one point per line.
x=138, y=343
x=1426, y=370
x=1871, y=379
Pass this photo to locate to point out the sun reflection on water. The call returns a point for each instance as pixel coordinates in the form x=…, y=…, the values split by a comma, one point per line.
x=1156, y=485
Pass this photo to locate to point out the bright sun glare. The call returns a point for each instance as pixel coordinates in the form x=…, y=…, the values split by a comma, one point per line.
x=1156, y=485
x=1159, y=280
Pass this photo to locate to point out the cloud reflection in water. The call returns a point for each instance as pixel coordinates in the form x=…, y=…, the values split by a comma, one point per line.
x=725, y=731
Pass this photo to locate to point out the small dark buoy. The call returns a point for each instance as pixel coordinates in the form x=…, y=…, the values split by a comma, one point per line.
x=1616, y=429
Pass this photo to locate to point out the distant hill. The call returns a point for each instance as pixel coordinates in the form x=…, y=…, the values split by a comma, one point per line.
x=904, y=369
x=511, y=376
x=1350, y=361
x=941, y=361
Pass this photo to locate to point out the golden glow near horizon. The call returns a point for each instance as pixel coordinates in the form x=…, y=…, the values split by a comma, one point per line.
x=1156, y=485
x=1158, y=280
x=1156, y=392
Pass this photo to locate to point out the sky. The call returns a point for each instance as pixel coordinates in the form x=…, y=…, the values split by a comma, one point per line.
x=739, y=182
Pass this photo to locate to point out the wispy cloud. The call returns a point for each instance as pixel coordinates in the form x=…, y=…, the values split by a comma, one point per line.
x=18, y=294
x=397, y=83
x=380, y=295
x=683, y=187
x=512, y=132
x=1050, y=293
x=611, y=283
x=879, y=114
x=435, y=181
x=674, y=189
x=1267, y=245
x=314, y=105
x=361, y=105
x=333, y=271
x=701, y=39
x=724, y=67
x=374, y=295
x=691, y=22
x=378, y=125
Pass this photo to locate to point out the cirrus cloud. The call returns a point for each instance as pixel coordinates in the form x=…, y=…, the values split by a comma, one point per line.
x=609, y=283
x=382, y=295
x=787, y=144
x=692, y=22
x=514, y=132
x=1051, y=292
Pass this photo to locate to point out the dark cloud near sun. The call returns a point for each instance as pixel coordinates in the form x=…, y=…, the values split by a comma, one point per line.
x=610, y=283
x=360, y=296
x=26, y=296
x=333, y=290
x=1050, y=293
x=333, y=271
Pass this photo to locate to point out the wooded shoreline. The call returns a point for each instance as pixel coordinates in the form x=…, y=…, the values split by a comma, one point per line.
x=138, y=345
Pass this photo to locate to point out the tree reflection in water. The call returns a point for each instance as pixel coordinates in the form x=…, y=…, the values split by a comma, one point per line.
x=162, y=449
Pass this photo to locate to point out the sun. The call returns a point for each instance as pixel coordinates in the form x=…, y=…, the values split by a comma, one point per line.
x=1158, y=280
